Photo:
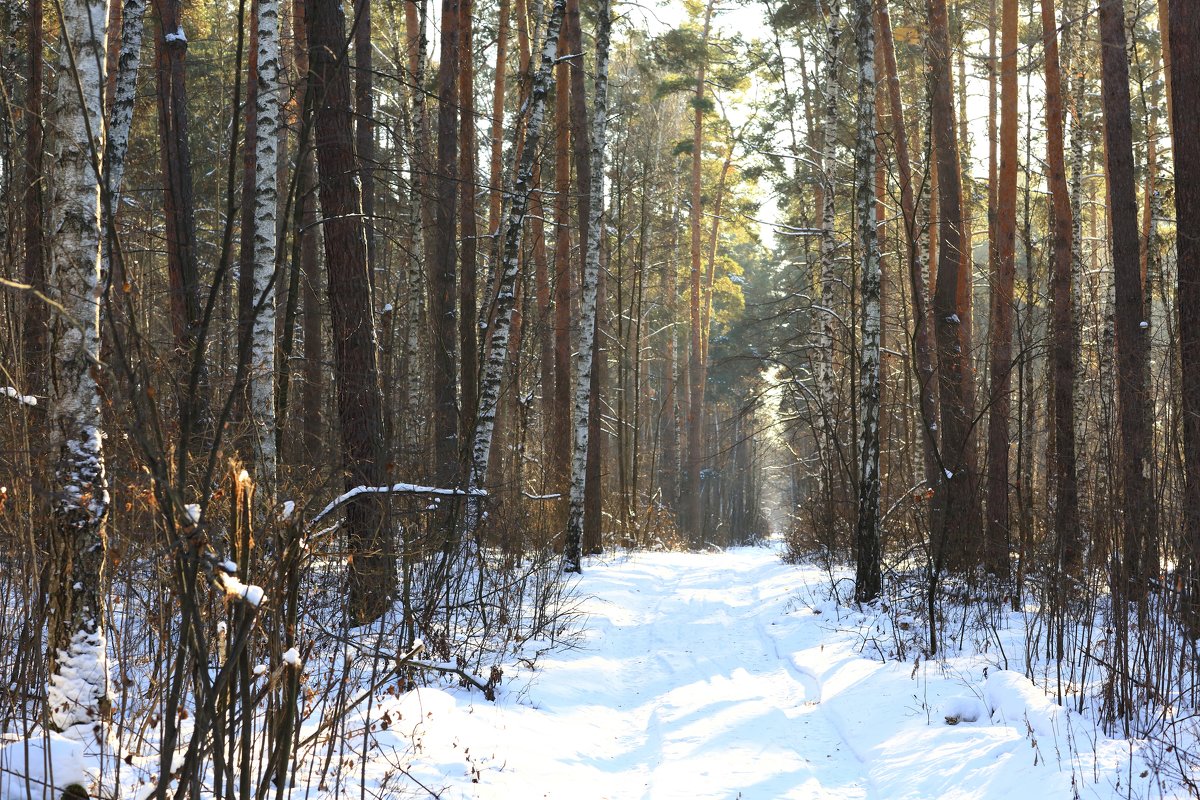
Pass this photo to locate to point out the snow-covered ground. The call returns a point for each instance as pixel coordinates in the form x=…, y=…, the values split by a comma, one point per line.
x=730, y=675
x=726, y=675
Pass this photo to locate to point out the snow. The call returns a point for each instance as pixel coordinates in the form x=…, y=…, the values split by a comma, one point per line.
x=177, y=36
x=22, y=399
x=289, y=508
x=710, y=675
x=246, y=592
x=44, y=765
x=732, y=675
x=192, y=510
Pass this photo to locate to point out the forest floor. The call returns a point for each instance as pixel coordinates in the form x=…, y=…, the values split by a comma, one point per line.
x=726, y=675
x=734, y=675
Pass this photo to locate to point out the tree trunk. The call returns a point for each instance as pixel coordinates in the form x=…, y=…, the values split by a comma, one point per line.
x=468, y=328
x=497, y=355
x=693, y=522
x=560, y=419
x=306, y=196
x=262, y=335
x=584, y=356
x=182, y=267
x=996, y=542
x=1185, y=80
x=959, y=504
x=1132, y=341
x=371, y=545
x=78, y=691
x=37, y=313
x=824, y=320
x=868, y=579
x=364, y=125
x=1062, y=323
x=922, y=344
x=442, y=264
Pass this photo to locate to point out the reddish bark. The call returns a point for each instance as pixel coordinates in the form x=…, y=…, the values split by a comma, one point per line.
x=359, y=400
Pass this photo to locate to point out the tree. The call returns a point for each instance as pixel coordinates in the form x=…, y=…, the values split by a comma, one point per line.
x=584, y=361
x=996, y=540
x=442, y=263
x=1185, y=109
x=693, y=521
x=359, y=398
x=182, y=266
x=1132, y=340
x=868, y=579
x=78, y=688
x=1063, y=331
x=262, y=337
x=37, y=313
x=959, y=509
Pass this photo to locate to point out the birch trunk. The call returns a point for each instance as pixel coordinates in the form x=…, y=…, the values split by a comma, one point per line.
x=262, y=337
x=824, y=318
x=868, y=581
x=78, y=687
x=497, y=355
x=591, y=274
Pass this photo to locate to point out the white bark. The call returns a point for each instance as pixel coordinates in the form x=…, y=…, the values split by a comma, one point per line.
x=591, y=275
x=262, y=336
x=77, y=694
x=120, y=117
x=493, y=371
x=825, y=319
x=868, y=574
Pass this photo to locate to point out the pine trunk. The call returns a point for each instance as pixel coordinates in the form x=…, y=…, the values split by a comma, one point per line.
x=959, y=502
x=1132, y=340
x=359, y=400
x=996, y=543
x=1062, y=322
x=693, y=522
x=1185, y=75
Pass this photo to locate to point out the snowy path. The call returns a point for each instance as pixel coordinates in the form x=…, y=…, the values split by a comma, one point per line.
x=728, y=676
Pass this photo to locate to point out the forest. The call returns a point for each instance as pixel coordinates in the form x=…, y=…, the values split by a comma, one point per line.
x=343, y=342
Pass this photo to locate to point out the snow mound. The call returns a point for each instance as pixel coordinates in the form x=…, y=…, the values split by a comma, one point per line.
x=964, y=708
x=1015, y=700
x=43, y=766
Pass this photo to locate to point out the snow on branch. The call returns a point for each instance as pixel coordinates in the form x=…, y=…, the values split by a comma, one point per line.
x=21, y=399
x=396, y=488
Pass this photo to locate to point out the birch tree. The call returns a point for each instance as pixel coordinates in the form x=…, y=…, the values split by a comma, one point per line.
x=587, y=324
x=523, y=186
x=823, y=320
x=262, y=337
x=78, y=691
x=868, y=579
